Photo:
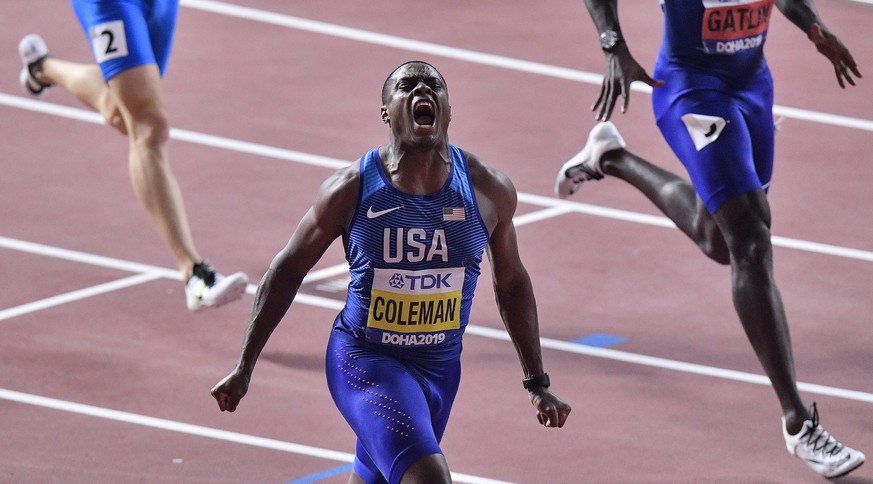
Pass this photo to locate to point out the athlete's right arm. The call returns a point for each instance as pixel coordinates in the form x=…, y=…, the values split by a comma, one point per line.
x=805, y=16
x=326, y=220
x=621, y=67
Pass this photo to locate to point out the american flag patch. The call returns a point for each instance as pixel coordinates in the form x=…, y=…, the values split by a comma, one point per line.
x=454, y=214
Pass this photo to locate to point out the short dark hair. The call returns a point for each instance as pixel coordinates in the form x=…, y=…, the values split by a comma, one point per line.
x=386, y=85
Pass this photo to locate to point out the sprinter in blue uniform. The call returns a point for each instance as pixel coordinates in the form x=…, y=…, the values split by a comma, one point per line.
x=713, y=101
x=415, y=216
x=131, y=42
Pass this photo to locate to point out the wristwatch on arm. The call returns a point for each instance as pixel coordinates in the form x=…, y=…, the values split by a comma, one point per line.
x=532, y=382
x=609, y=39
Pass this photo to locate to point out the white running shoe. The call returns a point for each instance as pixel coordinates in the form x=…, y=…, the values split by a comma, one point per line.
x=820, y=451
x=585, y=165
x=33, y=52
x=207, y=288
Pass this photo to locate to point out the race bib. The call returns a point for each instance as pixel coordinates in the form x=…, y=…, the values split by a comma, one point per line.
x=414, y=308
x=108, y=41
x=731, y=26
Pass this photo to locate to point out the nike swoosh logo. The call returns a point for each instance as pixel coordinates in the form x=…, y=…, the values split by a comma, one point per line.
x=711, y=131
x=374, y=214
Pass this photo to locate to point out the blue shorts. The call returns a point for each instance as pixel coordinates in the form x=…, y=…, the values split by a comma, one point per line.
x=398, y=409
x=722, y=134
x=128, y=33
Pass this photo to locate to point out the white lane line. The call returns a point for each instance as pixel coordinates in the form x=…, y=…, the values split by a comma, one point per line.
x=86, y=258
x=499, y=334
x=333, y=163
x=198, y=430
x=509, y=63
x=675, y=365
x=79, y=294
x=384, y=40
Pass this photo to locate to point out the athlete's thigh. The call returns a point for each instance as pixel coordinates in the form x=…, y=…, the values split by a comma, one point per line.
x=397, y=412
x=710, y=135
x=123, y=36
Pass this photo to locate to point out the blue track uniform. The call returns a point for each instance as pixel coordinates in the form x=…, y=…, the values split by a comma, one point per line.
x=124, y=34
x=715, y=108
x=393, y=361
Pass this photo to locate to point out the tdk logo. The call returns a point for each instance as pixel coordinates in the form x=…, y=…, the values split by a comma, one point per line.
x=396, y=281
x=422, y=282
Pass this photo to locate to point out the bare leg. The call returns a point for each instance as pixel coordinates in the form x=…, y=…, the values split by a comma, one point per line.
x=673, y=195
x=745, y=223
x=85, y=82
x=141, y=103
x=133, y=103
x=738, y=234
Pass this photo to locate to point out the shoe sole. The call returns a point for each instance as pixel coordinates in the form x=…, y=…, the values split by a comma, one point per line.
x=31, y=86
x=859, y=464
x=234, y=290
x=603, y=138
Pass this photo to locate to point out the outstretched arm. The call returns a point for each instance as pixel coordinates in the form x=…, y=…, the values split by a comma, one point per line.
x=321, y=225
x=621, y=67
x=803, y=14
x=514, y=292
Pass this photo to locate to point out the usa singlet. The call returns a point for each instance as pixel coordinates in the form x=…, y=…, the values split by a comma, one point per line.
x=414, y=261
x=393, y=361
x=715, y=108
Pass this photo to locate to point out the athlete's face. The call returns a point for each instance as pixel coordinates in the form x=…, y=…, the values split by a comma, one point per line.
x=417, y=104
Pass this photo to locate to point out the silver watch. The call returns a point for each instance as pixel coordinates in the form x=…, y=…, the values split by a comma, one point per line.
x=609, y=39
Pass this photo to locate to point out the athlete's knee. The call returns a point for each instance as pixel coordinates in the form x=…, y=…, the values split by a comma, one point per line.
x=431, y=469
x=716, y=251
x=750, y=246
x=745, y=223
x=150, y=127
x=704, y=230
x=711, y=241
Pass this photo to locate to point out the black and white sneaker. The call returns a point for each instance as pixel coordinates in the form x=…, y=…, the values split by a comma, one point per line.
x=820, y=451
x=33, y=52
x=585, y=165
x=207, y=288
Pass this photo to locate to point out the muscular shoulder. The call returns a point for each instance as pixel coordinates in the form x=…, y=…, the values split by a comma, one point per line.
x=337, y=197
x=495, y=192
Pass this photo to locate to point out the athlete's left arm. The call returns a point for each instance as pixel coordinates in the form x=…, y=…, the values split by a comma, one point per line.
x=513, y=288
x=804, y=15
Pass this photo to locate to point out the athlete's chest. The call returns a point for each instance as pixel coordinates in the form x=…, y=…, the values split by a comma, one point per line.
x=393, y=230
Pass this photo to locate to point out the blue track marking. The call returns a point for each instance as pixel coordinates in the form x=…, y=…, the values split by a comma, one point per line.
x=322, y=475
x=599, y=340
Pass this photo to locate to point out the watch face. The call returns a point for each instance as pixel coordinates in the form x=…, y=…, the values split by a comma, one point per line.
x=608, y=39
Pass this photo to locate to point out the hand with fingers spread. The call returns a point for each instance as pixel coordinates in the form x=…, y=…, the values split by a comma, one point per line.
x=831, y=47
x=551, y=410
x=621, y=70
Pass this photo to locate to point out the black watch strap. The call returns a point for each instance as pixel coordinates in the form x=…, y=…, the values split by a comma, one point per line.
x=609, y=39
x=536, y=381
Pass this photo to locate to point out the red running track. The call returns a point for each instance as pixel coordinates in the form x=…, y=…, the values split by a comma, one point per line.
x=105, y=377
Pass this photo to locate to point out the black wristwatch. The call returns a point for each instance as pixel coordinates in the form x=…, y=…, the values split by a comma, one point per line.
x=609, y=39
x=536, y=381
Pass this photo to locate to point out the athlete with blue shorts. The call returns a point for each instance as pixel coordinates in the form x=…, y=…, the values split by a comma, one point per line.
x=131, y=42
x=713, y=101
x=415, y=216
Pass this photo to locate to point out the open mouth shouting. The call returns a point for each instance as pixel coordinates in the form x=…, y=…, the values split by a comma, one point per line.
x=423, y=112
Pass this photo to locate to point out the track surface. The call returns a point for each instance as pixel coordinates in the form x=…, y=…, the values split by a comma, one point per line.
x=105, y=377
